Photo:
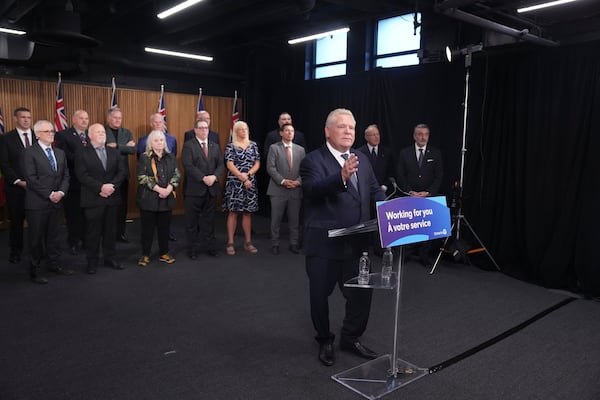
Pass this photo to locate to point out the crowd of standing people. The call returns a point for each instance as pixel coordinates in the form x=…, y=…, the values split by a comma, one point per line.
x=85, y=170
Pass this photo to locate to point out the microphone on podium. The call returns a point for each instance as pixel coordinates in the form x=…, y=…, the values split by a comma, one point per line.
x=396, y=188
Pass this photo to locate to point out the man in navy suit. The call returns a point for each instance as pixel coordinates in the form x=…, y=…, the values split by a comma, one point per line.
x=71, y=140
x=203, y=163
x=157, y=122
x=338, y=194
x=12, y=147
x=419, y=172
x=47, y=178
x=101, y=170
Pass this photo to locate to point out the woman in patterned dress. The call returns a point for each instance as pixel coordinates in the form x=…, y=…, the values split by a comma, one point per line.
x=242, y=160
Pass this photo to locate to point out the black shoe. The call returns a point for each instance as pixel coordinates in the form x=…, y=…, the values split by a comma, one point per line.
x=326, y=354
x=359, y=349
x=193, y=255
x=91, y=270
x=122, y=238
x=39, y=279
x=172, y=237
x=113, y=264
x=294, y=249
x=73, y=250
x=275, y=250
x=60, y=271
x=14, y=258
x=213, y=253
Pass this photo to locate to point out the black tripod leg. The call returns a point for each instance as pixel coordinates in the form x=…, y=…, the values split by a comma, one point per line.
x=481, y=243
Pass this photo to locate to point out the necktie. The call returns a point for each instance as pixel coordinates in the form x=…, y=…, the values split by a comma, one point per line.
x=420, y=159
x=373, y=153
x=27, y=142
x=353, y=178
x=288, y=150
x=83, y=139
x=205, y=149
x=51, y=158
x=102, y=154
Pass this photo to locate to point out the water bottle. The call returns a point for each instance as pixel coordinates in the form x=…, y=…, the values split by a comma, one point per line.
x=364, y=266
x=387, y=265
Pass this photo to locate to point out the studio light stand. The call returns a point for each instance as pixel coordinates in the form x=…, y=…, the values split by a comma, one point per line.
x=460, y=218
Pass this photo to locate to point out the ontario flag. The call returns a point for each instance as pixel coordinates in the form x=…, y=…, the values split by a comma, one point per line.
x=200, y=105
x=235, y=116
x=113, y=97
x=161, y=106
x=60, y=119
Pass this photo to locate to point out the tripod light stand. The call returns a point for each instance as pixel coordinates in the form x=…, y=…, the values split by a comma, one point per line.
x=460, y=218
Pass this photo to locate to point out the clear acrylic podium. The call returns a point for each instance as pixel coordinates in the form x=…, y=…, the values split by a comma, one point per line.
x=376, y=378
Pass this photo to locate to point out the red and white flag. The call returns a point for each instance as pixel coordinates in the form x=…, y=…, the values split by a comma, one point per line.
x=60, y=119
x=113, y=97
x=235, y=116
x=161, y=107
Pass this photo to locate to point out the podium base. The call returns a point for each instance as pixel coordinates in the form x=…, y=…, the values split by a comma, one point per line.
x=374, y=379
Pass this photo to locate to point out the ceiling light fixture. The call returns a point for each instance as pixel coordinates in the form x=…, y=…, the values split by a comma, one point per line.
x=318, y=36
x=177, y=8
x=543, y=5
x=12, y=31
x=178, y=54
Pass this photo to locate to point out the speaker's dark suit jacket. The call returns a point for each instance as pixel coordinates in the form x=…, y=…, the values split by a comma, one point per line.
x=427, y=178
x=330, y=204
x=11, y=164
x=383, y=164
x=43, y=214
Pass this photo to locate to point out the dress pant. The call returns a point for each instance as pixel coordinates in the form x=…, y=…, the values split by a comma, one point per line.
x=323, y=275
x=43, y=230
x=279, y=204
x=15, y=202
x=121, y=216
x=200, y=222
x=100, y=226
x=159, y=221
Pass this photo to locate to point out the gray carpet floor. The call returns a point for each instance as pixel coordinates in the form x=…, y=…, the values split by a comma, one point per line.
x=239, y=328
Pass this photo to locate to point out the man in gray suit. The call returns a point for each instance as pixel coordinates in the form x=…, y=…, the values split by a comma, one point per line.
x=203, y=163
x=283, y=166
x=47, y=178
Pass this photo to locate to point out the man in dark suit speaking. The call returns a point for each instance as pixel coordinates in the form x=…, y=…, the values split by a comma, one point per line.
x=47, y=178
x=337, y=194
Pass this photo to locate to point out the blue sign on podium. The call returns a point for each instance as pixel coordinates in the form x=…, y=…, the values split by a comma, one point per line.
x=413, y=219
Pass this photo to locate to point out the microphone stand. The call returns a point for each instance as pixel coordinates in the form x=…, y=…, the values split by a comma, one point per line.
x=460, y=216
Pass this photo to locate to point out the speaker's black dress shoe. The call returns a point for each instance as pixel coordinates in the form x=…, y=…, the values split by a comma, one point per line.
x=275, y=250
x=58, y=270
x=359, y=349
x=113, y=264
x=122, y=238
x=39, y=279
x=294, y=249
x=326, y=354
x=213, y=253
x=14, y=258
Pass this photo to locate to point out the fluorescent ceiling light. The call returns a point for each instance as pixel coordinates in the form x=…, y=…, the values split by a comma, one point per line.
x=177, y=8
x=12, y=31
x=178, y=54
x=318, y=36
x=543, y=5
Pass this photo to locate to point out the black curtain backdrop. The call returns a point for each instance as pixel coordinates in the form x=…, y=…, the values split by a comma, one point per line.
x=530, y=178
